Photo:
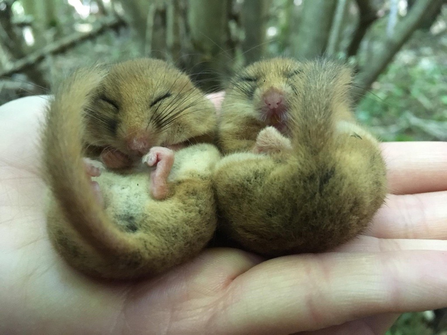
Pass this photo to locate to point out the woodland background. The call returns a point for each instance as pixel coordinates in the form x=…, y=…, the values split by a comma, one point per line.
x=397, y=47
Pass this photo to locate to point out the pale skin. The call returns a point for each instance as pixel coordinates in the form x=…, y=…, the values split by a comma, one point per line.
x=398, y=265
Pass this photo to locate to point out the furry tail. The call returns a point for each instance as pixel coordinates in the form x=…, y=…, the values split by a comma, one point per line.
x=322, y=97
x=64, y=167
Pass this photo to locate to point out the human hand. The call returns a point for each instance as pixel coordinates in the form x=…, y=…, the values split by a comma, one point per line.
x=398, y=265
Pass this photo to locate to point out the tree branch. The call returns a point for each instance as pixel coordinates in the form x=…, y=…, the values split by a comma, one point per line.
x=209, y=35
x=14, y=43
x=334, y=37
x=60, y=46
x=367, y=15
x=315, y=25
x=388, y=50
x=254, y=18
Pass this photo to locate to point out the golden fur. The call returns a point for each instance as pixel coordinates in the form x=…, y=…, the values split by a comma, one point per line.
x=309, y=187
x=130, y=234
x=124, y=108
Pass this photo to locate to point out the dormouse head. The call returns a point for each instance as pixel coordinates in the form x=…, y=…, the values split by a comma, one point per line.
x=262, y=90
x=275, y=90
x=144, y=103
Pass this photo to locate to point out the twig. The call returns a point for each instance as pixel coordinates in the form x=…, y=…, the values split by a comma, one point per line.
x=388, y=50
x=60, y=46
x=367, y=15
x=13, y=42
x=436, y=129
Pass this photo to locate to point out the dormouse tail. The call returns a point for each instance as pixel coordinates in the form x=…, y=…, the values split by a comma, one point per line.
x=63, y=163
x=322, y=98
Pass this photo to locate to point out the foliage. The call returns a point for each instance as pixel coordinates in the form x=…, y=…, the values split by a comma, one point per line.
x=411, y=324
x=409, y=101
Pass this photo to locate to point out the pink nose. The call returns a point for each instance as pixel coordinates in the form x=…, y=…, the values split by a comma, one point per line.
x=139, y=144
x=273, y=98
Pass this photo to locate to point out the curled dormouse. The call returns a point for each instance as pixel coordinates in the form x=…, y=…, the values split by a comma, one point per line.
x=119, y=222
x=300, y=175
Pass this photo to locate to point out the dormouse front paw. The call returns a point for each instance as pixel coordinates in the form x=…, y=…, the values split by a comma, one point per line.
x=270, y=140
x=163, y=159
x=93, y=171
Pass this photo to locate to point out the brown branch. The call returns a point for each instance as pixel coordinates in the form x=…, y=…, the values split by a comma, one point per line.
x=9, y=85
x=367, y=16
x=9, y=34
x=388, y=50
x=60, y=46
x=11, y=39
x=101, y=8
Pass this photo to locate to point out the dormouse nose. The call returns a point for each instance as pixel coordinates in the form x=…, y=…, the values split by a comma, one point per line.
x=273, y=98
x=139, y=143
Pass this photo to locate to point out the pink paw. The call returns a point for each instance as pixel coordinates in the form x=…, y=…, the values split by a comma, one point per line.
x=93, y=171
x=270, y=140
x=115, y=159
x=163, y=158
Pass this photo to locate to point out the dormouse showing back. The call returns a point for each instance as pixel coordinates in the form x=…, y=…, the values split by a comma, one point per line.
x=300, y=174
x=129, y=223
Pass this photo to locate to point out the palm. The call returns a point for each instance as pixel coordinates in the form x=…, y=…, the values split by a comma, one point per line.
x=224, y=291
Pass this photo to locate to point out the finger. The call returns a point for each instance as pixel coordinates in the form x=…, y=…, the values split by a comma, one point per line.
x=382, y=322
x=19, y=128
x=416, y=167
x=182, y=298
x=372, y=244
x=218, y=265
x=310, y=292
x=376, y=324
x=418, y=216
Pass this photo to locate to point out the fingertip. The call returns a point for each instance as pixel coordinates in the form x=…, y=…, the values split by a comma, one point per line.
x=415, y=167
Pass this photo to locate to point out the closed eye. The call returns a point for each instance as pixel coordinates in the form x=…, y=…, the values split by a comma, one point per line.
x=293, y=73
x=160, y=98
x=109, y=101
x=250, y=79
